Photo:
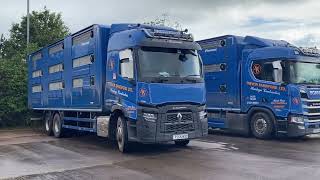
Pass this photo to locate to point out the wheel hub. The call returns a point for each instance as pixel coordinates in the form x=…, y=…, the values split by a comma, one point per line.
x=119, y=132
x=56, y=126
x=47, y=125
x=260, y=125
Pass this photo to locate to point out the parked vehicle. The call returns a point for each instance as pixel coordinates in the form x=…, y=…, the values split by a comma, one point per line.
x=127, y=82
x=261, y=86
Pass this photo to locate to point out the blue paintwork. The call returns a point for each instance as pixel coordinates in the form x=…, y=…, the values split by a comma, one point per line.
x=242, y=87
x=158, y=93
x=110, y=90
x=88, y=97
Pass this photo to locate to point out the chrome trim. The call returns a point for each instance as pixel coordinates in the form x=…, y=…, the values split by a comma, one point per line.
x=311, y=114
x=310, y=100
x=315, y=120
x=310, y=107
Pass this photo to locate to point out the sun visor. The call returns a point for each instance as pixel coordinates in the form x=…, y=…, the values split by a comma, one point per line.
x=170, y=43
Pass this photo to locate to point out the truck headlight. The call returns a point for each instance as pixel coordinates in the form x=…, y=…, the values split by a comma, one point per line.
x=202, y=115
x=296, y=119
x=150, y=117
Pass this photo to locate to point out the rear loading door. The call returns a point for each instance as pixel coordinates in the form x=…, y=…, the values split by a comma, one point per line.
x=222, y=77
x=36, y=64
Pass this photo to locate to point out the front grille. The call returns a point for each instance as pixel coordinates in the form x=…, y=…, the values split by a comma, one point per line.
x=313, y=103
x=179, y=127
x=172, y=122
x=173, y=118
x=313, y=117
x=313, y=110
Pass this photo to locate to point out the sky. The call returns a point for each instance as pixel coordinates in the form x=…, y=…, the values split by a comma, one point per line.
x=296, y=21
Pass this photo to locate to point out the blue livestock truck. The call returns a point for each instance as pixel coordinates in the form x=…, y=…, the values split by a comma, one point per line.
x=127, y=82
x=261, y=86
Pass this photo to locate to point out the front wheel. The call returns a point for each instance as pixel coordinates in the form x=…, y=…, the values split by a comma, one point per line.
x=122, y=135
x=262, y=125
x=182, y=142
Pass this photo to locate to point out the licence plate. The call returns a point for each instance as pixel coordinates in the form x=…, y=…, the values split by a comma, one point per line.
x=180, y=136
x=316, y=131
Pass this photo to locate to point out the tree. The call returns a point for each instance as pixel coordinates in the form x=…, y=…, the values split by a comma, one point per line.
x=45, y=27
x=165, y=20
x=2, y=40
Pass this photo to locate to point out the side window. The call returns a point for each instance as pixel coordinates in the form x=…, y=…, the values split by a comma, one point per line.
x=56, y=48
x=126, y=64
x=36, y=57
x=77, y=83
x=82, y=38
x=268, y=71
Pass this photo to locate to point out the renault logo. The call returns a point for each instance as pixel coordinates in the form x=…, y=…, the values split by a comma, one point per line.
x=179, y=116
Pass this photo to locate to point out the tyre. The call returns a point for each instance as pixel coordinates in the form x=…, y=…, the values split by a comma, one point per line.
x=48, y=124
x=262, y=125
x=57, y=126
x=182, y=142
x=122, y=135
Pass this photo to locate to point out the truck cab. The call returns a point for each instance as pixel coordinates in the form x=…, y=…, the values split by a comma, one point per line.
x=154, y=75
x=261, y=86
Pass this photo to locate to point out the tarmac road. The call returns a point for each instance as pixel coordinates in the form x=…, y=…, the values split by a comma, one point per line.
x=25, y=154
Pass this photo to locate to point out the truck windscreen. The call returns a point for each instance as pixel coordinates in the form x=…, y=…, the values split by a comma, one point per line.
x=169, y=65
x=303, y=73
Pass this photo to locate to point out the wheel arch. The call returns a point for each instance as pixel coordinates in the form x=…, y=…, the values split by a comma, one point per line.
x=256, y=109
x=116, y=111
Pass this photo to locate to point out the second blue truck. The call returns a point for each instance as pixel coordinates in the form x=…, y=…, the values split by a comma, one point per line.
x=261, y=86
x=127, y=82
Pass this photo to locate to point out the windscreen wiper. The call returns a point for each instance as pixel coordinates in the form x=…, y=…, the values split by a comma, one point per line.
x=161, y=79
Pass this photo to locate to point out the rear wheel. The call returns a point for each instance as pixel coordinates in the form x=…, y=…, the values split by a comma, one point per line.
x=122, y=135
x=182, y=142
x=48, y=124
x=262, y=125
x=57, y=126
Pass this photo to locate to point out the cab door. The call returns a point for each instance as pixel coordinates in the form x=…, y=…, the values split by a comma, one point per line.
x=121, y=81
x=263, y=86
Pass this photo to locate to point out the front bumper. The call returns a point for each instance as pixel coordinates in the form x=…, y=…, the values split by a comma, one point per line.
x=163, y=131
x=296, y=130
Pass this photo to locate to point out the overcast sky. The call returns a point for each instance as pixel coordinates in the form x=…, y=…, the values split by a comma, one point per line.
x=297, y=21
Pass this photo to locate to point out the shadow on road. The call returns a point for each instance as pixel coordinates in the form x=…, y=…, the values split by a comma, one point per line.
x=89, y=140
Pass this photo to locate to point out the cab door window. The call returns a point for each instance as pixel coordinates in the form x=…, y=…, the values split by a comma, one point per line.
x=268, y=71
x=126, y=68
